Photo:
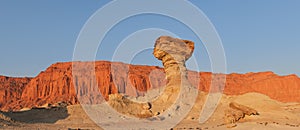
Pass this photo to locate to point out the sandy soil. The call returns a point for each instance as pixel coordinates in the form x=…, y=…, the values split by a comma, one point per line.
x=274, y=115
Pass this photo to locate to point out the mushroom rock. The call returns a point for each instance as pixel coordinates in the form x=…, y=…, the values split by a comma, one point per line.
x=174, y=53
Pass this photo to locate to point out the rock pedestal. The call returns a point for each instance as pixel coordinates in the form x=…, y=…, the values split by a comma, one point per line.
x=173, y=53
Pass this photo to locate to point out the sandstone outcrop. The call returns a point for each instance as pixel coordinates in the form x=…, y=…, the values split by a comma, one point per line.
x=125, y=106
x=173, y=53
x=246, y=110
x=236, y=112
x=55, y=84
x=11, y=89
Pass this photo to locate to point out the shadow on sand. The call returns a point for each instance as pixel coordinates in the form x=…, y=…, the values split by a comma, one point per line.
x=39, y=115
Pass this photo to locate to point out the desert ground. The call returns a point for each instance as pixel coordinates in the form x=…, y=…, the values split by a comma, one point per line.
x=273, y=115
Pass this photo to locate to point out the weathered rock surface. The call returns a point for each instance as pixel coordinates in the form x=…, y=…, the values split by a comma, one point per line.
x=236, y=112
x=6, y=121
x=56, y=84
x=125, y=106
x=246, y=110
x=281, y=88
x=173, y=53
x=11, y=89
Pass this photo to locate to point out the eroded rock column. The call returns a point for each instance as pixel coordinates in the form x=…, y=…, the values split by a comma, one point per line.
x=173, y=53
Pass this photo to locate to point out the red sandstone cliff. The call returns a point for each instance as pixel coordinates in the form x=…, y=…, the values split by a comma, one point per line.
x=11, y=89
x=55, y=84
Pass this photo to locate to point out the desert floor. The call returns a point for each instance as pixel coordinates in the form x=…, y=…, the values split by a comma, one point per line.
x=273, y=115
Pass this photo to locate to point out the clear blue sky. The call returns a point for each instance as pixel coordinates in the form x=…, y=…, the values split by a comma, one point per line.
x=257, y=35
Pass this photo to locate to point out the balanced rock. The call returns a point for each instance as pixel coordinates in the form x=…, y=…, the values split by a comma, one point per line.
x=173, y=53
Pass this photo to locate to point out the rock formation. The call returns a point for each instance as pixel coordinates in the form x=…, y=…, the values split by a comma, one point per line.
x=6, y=121
x=237, y=112
x=55, y=84
x=246, y=110
x=173, y=53
x=11, y=89
x=51, y=83
x=125, y=106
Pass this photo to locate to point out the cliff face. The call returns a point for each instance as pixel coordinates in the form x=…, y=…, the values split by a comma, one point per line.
x=11, y=89
x=281, y=88
x=56, y=84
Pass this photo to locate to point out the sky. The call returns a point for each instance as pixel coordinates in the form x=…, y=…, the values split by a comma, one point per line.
x=256, y=35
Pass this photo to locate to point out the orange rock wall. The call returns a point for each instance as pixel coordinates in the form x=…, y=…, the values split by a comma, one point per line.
x=55, y=84
x=11, y=89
